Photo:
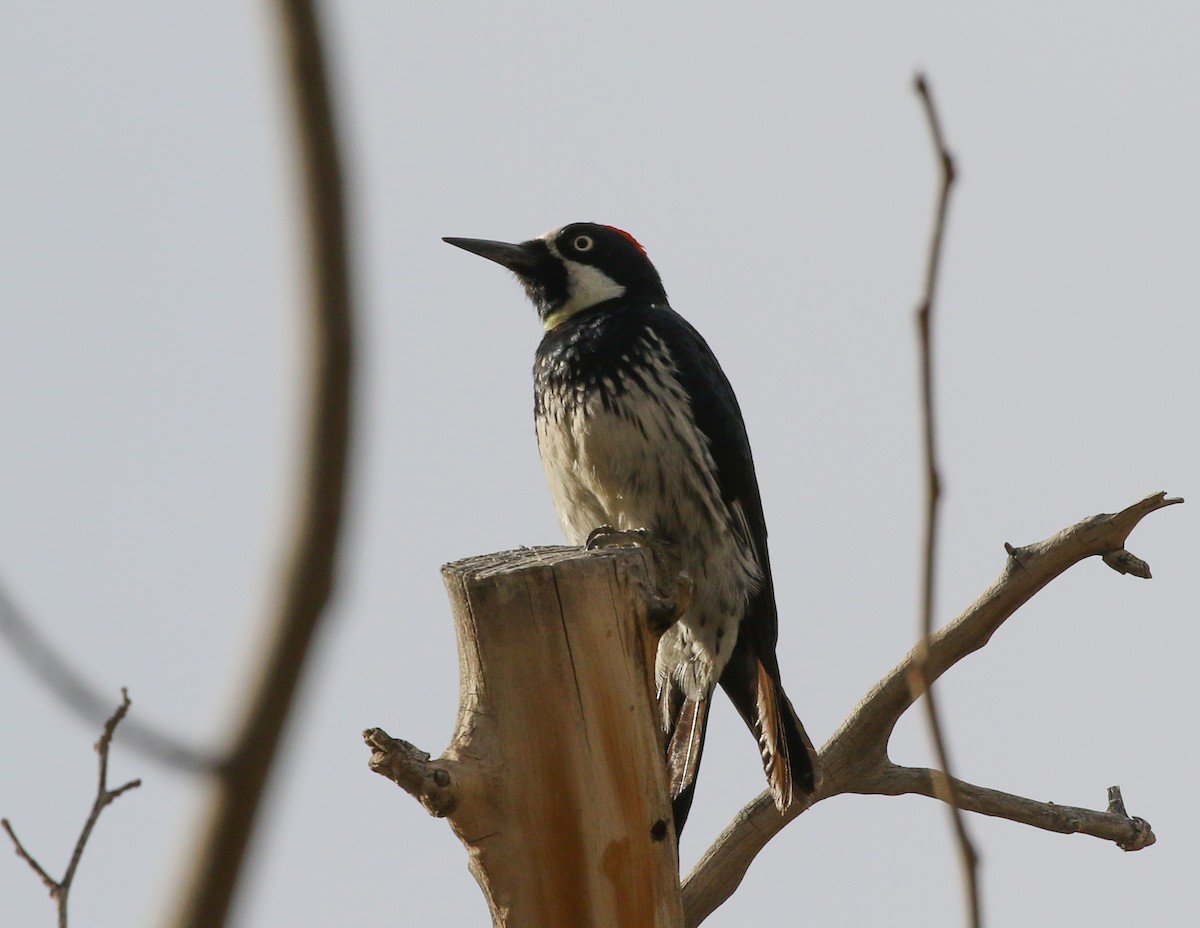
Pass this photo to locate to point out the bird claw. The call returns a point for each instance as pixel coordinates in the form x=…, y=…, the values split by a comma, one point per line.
x=662, y=609
x=605, y=536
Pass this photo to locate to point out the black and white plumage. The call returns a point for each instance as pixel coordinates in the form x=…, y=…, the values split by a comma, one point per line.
x=639, y=428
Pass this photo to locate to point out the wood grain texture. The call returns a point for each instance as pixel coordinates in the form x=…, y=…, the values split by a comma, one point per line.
x=559, y=788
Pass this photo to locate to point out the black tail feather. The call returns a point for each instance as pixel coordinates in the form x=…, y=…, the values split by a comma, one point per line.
x=787, y=753
x=752, y=684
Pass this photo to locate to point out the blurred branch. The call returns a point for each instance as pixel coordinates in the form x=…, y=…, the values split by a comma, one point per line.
x=855, y=759
x=918, y=679
x=60, y=890
x=309, y=574
x=69, y=684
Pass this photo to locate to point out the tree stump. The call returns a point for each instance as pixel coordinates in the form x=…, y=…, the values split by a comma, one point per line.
x=555, y=780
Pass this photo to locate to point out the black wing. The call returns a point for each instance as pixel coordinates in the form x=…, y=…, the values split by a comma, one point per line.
x=751, y=679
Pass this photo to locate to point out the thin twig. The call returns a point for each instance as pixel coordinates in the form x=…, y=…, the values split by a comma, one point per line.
x=51, y=883
x=60, y=890
x=919, y=678
x=309, y=573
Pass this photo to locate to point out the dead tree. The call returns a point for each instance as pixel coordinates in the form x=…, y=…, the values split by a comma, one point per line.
x=554, y=780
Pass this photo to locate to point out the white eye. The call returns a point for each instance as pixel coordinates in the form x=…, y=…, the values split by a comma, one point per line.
x=582, y=243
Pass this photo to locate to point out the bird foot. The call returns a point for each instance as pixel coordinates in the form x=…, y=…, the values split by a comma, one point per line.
x=605, y=536
x=663, y=609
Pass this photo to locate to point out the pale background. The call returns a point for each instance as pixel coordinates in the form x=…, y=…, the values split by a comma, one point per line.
x=775, y=162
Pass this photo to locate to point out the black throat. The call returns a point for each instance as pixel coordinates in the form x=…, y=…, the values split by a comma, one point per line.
x=596, y=353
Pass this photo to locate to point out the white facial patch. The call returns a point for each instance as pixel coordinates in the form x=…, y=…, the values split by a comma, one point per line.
x=586, y=286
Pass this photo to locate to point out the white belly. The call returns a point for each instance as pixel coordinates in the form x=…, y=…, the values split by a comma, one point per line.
x=641, y=463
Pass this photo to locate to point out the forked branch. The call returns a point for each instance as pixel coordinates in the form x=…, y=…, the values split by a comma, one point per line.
x=60, y=890
x=855, y=759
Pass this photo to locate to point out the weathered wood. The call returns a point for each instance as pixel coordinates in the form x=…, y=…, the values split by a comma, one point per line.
x=855, y=759
x=554, y=780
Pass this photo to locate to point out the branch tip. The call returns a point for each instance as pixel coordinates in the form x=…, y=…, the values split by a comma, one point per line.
x=1143, y=836
x=949, y=172
x=1125, y=563
x=132, y=784
x=1144, y=507
x=49, y=881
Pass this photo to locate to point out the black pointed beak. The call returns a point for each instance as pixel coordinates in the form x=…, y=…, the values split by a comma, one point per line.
x=521, y=259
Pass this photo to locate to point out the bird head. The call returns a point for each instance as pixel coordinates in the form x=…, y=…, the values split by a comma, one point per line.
x=576, y=268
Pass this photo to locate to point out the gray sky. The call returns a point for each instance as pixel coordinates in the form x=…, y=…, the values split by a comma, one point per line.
x=775, y=163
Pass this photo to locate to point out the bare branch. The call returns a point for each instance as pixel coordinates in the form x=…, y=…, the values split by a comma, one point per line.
x=719, y=872
x=855, y=759
x=60, y=890
x=104, y=795
x=51, y=883
x=1027, y=571
x=918, y=680
x=309, y=574
x=1129, y=834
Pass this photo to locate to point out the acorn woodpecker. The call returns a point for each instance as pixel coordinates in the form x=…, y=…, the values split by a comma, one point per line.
x=638, y=428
